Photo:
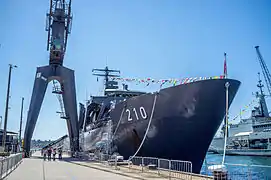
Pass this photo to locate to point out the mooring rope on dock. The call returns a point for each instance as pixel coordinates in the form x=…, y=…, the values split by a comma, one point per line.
x=143, y=140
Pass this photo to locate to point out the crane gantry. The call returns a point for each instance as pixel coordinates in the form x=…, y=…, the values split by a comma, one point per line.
x=58, y=26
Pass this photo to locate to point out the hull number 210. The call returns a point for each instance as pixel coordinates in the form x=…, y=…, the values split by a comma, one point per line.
x=142, y=113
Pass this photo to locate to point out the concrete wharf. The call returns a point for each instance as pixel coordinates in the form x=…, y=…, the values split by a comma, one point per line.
x=35, y=168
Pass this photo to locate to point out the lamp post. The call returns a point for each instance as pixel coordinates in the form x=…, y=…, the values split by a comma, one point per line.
x=21, y=121
x=6, y=110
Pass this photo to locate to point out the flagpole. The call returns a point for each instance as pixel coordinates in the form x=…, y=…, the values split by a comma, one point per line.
x=225, y=65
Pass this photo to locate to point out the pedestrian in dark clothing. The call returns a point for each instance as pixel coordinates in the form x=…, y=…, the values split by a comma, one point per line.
x=54, y=154
x=49, y=154
x=60, y=154
x=44, y=154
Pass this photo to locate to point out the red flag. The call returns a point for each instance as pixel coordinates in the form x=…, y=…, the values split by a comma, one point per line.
x=225, y=66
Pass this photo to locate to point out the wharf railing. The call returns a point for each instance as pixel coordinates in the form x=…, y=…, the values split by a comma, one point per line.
x=238, y=171
x=150, y=166
x=68, y=153
x=162, y=167
x=8, y=164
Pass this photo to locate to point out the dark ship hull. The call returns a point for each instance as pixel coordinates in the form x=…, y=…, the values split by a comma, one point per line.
x=179, y=122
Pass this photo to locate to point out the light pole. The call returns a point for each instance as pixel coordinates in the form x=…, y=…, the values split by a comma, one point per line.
x=21, y=121
x=6, y=110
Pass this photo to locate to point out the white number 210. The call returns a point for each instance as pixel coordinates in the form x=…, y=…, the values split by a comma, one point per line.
x=142, y=111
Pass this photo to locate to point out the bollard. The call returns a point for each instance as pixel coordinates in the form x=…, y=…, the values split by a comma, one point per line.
x=220, y=174
x=142, y=164
x=116, y=163
x=169, y=175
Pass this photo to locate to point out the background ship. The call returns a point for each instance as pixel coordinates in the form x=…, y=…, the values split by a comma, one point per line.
x=178, y=122
x=251, y=136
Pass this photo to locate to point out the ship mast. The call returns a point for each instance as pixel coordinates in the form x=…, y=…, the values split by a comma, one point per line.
x=106, y=74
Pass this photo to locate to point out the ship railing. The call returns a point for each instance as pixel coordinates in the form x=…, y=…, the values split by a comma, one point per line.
x=9, y=164
x=162, y=167
x=237, y=171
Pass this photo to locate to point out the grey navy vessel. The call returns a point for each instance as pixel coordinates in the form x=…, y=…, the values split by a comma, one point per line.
x=178, y=122
x=251, y=136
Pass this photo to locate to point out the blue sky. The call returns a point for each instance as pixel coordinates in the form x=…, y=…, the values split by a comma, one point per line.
x=158, y=39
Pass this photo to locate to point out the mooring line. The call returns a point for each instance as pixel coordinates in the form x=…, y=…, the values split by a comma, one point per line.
x=148, y=127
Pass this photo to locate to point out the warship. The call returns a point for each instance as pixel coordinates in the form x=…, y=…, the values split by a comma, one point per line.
x=177, y=122
x=251, y=136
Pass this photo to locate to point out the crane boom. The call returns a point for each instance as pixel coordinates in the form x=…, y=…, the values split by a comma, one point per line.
x=266, y=74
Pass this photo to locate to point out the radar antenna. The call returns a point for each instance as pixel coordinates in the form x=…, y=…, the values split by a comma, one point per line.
x=106, y=73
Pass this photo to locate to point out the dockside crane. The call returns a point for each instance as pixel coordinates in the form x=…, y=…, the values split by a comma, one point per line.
x=60, y=12
x=58, y=25
x=265, y=71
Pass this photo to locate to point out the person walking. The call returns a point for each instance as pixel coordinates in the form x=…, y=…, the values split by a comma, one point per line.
x=44, y=154
x=54, y=154
x=49, y=154
x=60, y=153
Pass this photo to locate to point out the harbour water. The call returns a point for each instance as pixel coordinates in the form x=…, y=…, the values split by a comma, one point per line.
x=241, y=167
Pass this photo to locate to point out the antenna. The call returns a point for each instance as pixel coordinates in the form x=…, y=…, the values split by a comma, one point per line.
x=106, y=73
x=225, y=66
x=106, y=61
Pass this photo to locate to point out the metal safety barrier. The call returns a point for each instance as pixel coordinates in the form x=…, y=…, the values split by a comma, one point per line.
x=169, y=169
x=138, y=162
x=150, y=161
x=107, y=160
x=180, y=166
x=163, y=167
x=7, y=165
x=68, y=153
